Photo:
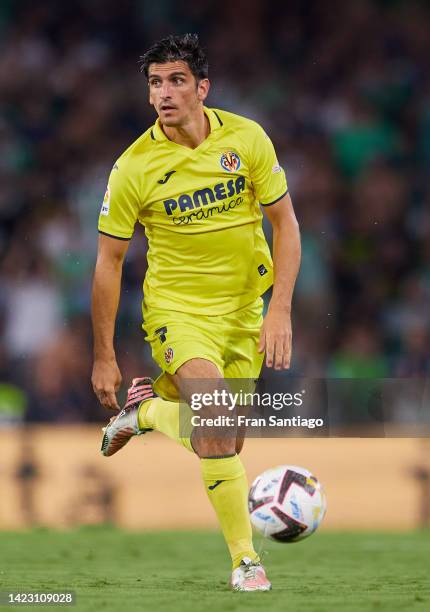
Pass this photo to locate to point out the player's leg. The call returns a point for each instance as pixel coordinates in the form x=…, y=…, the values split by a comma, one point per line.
x=222, y=470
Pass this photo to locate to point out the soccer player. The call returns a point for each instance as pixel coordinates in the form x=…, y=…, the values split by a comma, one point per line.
x=197, y=180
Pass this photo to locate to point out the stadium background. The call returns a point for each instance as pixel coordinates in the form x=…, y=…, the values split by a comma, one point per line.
x=344, y=94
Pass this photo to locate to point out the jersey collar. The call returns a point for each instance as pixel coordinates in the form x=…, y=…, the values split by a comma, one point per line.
x=214, y=122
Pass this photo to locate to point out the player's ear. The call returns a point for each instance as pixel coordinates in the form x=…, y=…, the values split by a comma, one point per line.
x=203, y=89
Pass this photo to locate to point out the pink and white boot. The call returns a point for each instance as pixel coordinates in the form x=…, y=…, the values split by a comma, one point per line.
x=125, y=425
x=249, y=576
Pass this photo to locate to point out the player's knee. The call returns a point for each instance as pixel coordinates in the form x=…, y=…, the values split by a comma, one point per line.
x=216, y=447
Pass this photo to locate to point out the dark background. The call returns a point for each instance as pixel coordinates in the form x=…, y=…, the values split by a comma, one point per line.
x=343, y=90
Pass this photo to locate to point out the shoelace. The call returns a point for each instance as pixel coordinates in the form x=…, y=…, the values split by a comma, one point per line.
x=250, y=570
x=138, y=392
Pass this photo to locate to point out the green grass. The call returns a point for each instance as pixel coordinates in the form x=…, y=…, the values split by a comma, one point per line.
x=114, y=570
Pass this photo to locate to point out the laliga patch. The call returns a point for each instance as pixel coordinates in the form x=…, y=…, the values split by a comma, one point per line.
x=168, y=355
x=106, y=202
x=230, y=161
x=276, y=168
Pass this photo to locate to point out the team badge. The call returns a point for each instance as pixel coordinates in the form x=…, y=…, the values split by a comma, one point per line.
x=230, y=161
x=168, y=355
x=106, y=203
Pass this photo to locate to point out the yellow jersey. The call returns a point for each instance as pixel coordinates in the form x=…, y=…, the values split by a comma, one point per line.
x=200, y=208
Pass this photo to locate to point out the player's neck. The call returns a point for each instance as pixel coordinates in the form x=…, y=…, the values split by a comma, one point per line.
x=192, y=134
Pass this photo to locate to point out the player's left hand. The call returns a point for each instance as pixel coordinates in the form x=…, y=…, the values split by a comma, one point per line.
x=275, y=337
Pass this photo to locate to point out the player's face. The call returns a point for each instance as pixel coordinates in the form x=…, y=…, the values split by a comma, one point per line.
x=175, y=93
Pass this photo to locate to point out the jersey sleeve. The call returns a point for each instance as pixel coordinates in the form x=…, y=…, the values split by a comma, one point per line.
x=268, y=178
x=121, y=204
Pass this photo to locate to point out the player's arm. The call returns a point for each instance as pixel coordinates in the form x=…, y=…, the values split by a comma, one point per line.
x=276, y=335
x=118, y=215
x=106, y=377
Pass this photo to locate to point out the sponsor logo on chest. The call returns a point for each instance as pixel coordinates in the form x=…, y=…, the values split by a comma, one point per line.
x=204, y=196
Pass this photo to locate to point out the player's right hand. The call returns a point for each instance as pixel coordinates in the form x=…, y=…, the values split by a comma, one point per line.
x=106, y=380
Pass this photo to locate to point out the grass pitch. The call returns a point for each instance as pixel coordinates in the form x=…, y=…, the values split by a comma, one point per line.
x=118, y=571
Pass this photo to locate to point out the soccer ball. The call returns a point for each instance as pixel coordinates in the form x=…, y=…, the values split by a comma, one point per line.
x=286, y=503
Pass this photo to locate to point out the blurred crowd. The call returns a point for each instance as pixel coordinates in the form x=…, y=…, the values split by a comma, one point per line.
x=343, y=89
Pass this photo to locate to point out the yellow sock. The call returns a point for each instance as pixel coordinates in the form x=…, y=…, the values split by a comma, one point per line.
x=165, y=416
x=227, y=487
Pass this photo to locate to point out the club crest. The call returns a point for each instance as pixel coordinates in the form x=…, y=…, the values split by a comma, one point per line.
x=168, y=355
x=230, y=161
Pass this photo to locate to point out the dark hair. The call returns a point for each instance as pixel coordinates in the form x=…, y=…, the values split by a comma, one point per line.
x=174, y=48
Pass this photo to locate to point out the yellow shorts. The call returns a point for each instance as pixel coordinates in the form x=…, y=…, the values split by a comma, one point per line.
x=229, y=341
